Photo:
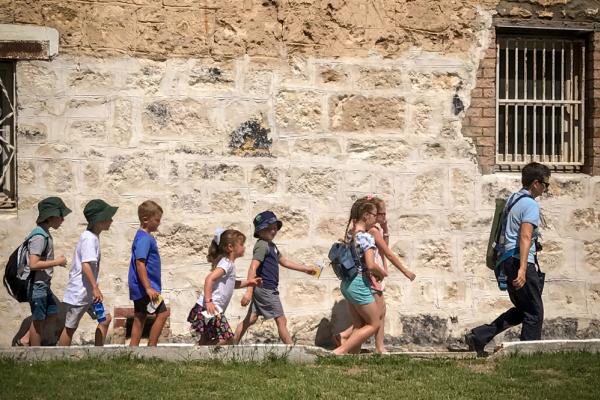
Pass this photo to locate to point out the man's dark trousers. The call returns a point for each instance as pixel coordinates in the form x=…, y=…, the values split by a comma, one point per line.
x=528, y=307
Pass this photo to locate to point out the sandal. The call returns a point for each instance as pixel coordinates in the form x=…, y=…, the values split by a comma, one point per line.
x=337, y=338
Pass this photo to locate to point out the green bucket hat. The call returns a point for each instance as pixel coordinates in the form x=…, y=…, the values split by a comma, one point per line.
x=51, y=207
x=97, y=211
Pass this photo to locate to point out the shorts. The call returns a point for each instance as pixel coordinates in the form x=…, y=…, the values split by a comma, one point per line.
x=75, y=313
x=358, y=290
x=42, y=301
x=140, y=306
x=266, y=302
x=215, y=328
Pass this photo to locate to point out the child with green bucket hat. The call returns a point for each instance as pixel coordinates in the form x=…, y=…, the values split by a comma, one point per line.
x=41, y=263
x=82, y=291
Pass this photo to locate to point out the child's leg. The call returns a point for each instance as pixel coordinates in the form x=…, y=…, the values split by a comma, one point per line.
x=380, y=335
x=243, y=326
x=24, y=340
x=157, y=327
x=101, y=331
x=139, y=319
x=282, y=329
x=370, y=314
x=66, y=336
x=357, y=323
x=35, y=332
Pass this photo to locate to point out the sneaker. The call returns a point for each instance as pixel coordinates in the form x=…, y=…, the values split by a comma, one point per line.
x=474, y=345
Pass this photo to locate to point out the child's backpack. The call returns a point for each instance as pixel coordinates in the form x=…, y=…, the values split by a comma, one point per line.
x=17, y=275
x=497, y=237
x=344, y=260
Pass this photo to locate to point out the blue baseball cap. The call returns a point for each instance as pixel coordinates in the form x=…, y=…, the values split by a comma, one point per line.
x=264, y=219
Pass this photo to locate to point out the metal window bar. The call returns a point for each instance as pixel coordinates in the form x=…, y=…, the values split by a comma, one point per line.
x=546, y=124
x=8, y=173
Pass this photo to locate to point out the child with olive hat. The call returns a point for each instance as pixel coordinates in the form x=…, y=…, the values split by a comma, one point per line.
x=82, y=290
x=41, y=263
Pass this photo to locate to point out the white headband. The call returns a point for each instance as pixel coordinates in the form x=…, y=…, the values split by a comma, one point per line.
x=217, y=237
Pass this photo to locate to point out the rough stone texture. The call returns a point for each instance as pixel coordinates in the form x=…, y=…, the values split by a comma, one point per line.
x=220, y=110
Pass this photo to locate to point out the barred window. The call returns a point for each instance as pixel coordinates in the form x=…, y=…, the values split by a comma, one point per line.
x=8, y=170
x=540, y=101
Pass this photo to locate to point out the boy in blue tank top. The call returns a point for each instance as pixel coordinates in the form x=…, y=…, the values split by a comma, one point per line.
x=266, y=259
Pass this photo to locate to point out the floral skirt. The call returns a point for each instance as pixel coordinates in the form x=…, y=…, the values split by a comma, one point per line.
x=215, y=328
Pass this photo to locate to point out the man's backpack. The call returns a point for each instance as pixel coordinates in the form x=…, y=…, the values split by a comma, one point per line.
x=17, y=275
x=497, y=237
x=344, y=260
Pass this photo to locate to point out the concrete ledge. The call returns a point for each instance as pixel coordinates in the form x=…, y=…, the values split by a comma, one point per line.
x=548, y=346
x=169, y=352
x=28, y=42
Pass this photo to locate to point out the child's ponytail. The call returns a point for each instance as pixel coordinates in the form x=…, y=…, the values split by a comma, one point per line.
x=218, y=245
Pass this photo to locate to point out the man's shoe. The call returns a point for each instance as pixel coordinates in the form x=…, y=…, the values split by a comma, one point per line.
x=474, y=345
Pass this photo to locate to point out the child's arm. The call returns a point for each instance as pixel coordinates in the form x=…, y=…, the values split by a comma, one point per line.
x=372, y=266
x=384, y=249
x=86, y=269
x=251, y=275
x=248, y=283
x=35, y=262
x=208, y=289
x=143, y=275
x=296, y=266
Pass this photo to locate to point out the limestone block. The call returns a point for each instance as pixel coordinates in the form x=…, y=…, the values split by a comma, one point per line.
x=382, y=152
x=593, y=298
x=190, y=118
x=567, y=188
x=416, y=223
x=357, y=113
x=67, y=19
x=304, y=294
x=109, y=26
x=552, y=258
x=469, y=221
x=258, y=82
x=180, y=240
x=264, y=179
x=34, y=132
x=52, y=151
x=148, y=78
x=462, y=187
x=308, y=256
x=421, y=120
x=298, y=111
x=37, y=79
x=592, y=254
x=325, y=147
x=190, y=200
x=428, y=188
x=122, y=126
x=214, y=172
x=57, y=175
x=209, y=75
x=333, y=75
x=493, y=187
x=380, y=78
x=454, y=294
x=295, y=220
x=227, y=202
x=473, y=258
x=434, y=150
x=87, y=130
x=332, y=228
x=564, y=298
x=435, y=254
x=188, y=278
x=425, y=81
x=87, y=107
x=317, y=182
x=585, y=219
x=419, y=295
x=88, y=81
x=27, y=172
x=127, y=172
x=91, y=176
x=304, y=328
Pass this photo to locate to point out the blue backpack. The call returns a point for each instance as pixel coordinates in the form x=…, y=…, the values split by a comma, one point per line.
x=344, y=260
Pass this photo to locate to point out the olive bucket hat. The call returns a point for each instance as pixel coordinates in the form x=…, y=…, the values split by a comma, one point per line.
x=97, y=211
x=51, y=207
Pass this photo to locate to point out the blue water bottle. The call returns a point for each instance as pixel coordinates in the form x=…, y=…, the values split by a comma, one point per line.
x=99, y=310
x=501, y=279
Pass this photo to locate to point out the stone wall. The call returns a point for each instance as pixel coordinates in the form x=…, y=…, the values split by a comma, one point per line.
x=300, y=115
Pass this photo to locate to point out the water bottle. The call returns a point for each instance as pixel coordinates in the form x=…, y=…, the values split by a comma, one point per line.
x=99, y=311
x=501, y=279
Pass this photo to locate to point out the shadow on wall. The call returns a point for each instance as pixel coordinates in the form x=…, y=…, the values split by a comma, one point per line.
x=53, y=329
x=340, y=321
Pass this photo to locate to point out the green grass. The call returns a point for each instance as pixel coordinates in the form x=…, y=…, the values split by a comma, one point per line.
x=547, y=376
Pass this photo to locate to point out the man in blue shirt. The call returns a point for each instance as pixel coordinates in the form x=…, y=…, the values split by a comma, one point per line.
x=518, y=261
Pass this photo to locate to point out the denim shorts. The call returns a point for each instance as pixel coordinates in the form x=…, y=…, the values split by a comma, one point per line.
x=358, y=290
x=42, y=302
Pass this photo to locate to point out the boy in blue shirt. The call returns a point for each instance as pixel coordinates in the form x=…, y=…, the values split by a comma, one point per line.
x=144, y=276
x=266, y=259
x=518, y=261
